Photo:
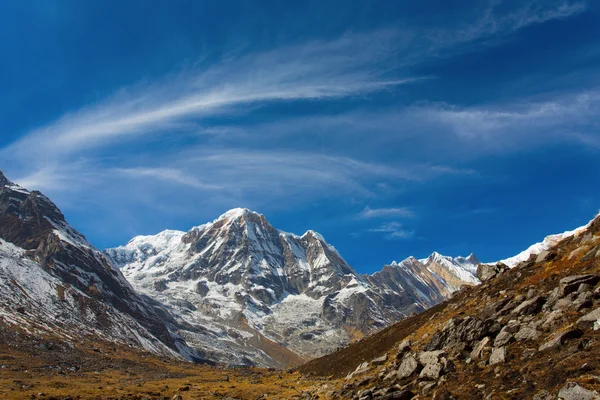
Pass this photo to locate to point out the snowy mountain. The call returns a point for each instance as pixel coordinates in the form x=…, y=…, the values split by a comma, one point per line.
x=246, y=293
x=53, y=281
x=545, y=245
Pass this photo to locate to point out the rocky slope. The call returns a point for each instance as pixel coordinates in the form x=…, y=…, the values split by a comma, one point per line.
x=247, y=293
x=53, y=281
x=527, y=332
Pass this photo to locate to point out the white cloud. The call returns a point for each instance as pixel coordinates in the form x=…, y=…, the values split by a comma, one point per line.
x=169, y=175
x=394, y=231
x=370, y=213
x=348, y=66
x=570, y=117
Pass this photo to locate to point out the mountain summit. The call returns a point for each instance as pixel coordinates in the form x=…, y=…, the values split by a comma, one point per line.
x=53, y=281
x=240, y=288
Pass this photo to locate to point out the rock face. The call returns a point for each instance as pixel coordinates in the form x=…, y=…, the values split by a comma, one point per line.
x=239, y=287
x=572, y=391
x=62, y=284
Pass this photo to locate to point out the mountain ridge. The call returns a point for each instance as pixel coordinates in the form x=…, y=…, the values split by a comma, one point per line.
x=239, y=267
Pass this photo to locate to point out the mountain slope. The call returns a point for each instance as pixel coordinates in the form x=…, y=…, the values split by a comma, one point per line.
x=238, y=283
x=529, y=331
x=53, y=280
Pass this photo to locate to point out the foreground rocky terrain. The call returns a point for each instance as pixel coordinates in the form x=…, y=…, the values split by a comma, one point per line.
x=528, y=332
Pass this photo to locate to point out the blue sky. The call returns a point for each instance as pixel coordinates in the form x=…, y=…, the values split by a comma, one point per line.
x=393, y=128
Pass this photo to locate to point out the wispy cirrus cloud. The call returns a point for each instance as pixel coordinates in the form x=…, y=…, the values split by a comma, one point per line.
x=372, y=213
x=242, y=163
x=351, y=65
x=570, y=117
x=393, y=231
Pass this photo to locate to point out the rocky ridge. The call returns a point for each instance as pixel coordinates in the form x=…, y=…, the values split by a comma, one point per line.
x=52, y=280
x=527, y=332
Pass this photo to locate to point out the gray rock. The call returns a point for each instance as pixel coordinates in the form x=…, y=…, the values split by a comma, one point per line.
x=553, y=297
x=529, y=307
x=584, y=300
x=543, y=256
x=486, y=272
x=403, y=348
x=361, y=369
x=572, y=391
x=427, y=387
x=379, y=360
x=503, y=338
x=564, y=303
x=479, y=347
x=552, y=317
x=560, y=339
x=498, y=355
x=431, y=371
x=590, y=320
x=584, y=287
x=457, y=332
x=527, y=333
x=570, y=284
x=430, y=357
x=409, y=366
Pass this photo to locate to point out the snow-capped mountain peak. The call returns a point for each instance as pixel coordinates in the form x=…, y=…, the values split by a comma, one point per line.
x=241, y=275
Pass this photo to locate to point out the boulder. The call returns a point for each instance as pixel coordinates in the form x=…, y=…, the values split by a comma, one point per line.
x=584, y=300
x=431, y=371
x=527, y=333
x=530, y=307
x=560, y=338
x=379, y=360
x=479, y=347
x=457, y=332
x=572, y=391
x=584, y=287
x=570, y=284
x=498, y=355
x=503, y=338
x=486, y=272
x=408, y=366
x=403, y=348
x=431, y=357
x=590, y=320
x=361, y=369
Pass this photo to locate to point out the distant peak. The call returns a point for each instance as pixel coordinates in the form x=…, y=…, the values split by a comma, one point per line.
x=473, y=258
x=236, y=213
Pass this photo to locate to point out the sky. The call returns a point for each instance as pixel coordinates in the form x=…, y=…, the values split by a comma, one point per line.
x=393, y=128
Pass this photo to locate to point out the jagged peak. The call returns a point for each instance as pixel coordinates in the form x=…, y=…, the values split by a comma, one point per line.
x=471, y=258
x=408, y=260
x=4, y=180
